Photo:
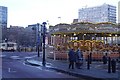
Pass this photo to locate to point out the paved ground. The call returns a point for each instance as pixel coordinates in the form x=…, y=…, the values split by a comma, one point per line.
x=13, y=67
x=97, y=70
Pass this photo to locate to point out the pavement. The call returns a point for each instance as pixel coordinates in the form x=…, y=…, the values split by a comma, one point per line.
x=97, y=71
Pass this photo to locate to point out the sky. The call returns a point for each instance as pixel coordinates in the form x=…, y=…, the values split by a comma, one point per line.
x=26, y=12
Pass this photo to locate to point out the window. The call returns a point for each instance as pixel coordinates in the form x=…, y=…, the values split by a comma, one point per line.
x=10, y=45
x=3, y=44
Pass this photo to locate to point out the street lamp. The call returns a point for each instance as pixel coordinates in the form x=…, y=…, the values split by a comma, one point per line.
x=44, y=31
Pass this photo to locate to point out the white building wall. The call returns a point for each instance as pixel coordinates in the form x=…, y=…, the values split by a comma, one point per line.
x=104, y=13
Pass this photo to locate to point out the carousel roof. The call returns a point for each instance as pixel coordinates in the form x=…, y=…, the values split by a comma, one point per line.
x=85, y=27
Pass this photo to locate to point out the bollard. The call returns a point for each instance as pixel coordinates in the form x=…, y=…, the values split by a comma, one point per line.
x=113, y=64
x=88, y=62
x=90, y=59
x=104, y=60
x=109, y=65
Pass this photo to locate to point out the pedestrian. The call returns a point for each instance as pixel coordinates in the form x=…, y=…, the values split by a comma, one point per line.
x=104, y=58
x=78, y=58
x=71, y=56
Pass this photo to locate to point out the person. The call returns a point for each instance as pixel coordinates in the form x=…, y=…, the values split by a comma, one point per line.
x=104, y=59
x=71, y=55
x=79, y=58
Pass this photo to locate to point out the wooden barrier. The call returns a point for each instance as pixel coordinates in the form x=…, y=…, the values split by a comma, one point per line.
x=62, y=55
x=58, y=55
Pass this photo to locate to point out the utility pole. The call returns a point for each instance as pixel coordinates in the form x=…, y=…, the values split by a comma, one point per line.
x=44, y=32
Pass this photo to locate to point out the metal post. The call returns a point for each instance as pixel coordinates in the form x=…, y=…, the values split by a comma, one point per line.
x=38, y=51
x=90, y=59
x=38, y=39
x=35, y=39
x=109, y=65
x=44, y=31
x=88, y=62
x=113, y=64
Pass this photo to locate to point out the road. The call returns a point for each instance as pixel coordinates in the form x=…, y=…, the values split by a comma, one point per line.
x=13, y=66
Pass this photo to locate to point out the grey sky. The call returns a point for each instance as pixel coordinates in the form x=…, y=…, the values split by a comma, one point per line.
x=25, y=12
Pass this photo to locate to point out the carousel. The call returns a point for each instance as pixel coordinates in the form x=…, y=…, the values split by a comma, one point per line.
x=88, y=37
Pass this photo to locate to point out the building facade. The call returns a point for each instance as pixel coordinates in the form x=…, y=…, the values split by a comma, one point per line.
x=3, y=16
x=119, y=12
x=103, y=13
x=3, y=22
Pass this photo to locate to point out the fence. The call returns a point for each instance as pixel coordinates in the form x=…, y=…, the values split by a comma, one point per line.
x=63, y=55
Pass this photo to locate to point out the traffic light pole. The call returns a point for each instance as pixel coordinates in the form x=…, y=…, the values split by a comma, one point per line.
x=44, y=31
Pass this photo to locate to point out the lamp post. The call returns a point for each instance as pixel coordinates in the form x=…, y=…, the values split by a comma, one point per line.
x=44, y=31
